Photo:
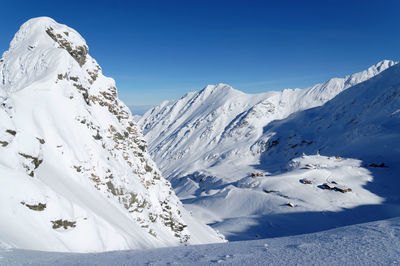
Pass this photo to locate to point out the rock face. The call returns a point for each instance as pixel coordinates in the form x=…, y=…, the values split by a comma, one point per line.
x=74, y=167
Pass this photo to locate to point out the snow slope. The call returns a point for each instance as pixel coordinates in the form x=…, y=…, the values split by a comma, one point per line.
x=376, y=243
x=361, y=122
x=75, y=172
x=237, y=161
x=218, y=123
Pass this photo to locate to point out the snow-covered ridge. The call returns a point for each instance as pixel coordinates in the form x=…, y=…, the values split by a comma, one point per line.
x=277, y=163
x=219, y=122
x=76, y=175
x=364, y=117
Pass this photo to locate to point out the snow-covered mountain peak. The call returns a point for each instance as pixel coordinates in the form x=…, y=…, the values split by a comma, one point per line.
x=369, y=73
x=217, y=92
x=44, y=49
x=210, y=120
x=217, y=88
x=36, y=31
x=75, y=169
x=320, y=93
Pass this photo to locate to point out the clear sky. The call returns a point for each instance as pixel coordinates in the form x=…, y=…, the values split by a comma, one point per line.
x=158, y=50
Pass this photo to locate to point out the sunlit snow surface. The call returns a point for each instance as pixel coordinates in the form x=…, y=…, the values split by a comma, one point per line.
x=239, y=162
x=70, y=146
x=375, y=243
x=284, y=204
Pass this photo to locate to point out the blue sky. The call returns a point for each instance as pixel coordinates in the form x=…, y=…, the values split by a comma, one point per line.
x=157, y=50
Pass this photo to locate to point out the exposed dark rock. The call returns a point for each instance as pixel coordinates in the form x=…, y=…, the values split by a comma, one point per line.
x=335, y=187
x=11, y=132
x=79, y=53
x=83, y=91
x=63, y=223
x=41, y=140
x=35, y=160
x=74, y=78
x=254, y=175
x=272, y=143
x=305, y=181
x=148, y=168
x=270, y=191
x=97, y=136
x=35, y=207
x=4, y=143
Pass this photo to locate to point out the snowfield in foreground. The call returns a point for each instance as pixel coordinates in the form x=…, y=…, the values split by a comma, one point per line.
x=375, y=243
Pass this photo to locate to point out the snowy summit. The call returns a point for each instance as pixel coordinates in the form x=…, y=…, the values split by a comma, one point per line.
x=76, y=175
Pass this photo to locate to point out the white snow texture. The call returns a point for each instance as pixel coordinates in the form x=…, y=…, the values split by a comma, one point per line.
x=285, y=162
x=375, y=243
x=75, y=173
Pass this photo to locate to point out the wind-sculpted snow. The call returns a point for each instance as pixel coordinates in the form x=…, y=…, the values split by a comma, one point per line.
x=75, y=172
x=280, y=163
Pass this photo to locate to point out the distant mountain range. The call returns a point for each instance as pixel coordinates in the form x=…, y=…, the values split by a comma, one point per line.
x=255, y=165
